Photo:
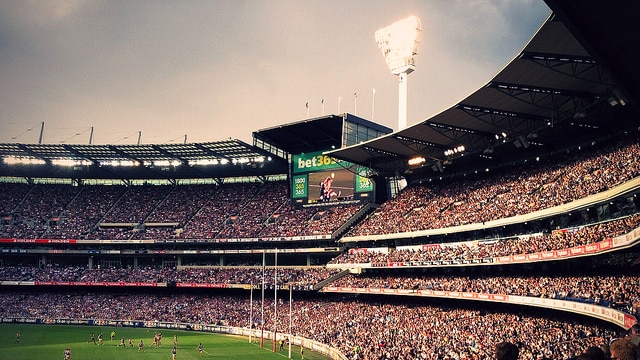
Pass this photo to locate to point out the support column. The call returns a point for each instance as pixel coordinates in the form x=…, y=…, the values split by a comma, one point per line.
x=402, y=101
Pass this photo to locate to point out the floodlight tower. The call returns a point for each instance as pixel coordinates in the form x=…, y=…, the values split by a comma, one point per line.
x=399, y=45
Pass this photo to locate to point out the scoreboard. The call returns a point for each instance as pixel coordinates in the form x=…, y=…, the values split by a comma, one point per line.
x=318, y=178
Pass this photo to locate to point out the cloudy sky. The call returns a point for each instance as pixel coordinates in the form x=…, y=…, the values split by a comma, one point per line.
x=218, y=69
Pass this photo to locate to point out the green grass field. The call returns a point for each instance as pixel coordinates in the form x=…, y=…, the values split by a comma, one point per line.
x=49, y=342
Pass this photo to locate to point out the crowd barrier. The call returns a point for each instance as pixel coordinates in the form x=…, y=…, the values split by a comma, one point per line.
x=613, y=316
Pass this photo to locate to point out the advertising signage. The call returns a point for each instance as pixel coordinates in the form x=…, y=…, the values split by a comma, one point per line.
x=321, y=179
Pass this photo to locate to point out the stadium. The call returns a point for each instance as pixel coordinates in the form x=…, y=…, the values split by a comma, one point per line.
x=512, y=216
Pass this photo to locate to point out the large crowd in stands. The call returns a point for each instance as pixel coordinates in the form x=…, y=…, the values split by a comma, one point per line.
x=359, y=328
x=254, y=210
x=88, y=208
x=556, y=240
x=512, y=192
x=39, y=208
x=219, y=212
x=182, y=204
x=304, y=278
x=12, y=194
x=619, y=291
x=248, y=222
x=243, y=210
x=136, y=204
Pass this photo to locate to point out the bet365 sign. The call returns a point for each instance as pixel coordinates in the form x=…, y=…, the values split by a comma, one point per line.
x=313, y=162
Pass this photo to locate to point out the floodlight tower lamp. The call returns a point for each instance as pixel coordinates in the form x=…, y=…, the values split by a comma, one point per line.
x=398, y=43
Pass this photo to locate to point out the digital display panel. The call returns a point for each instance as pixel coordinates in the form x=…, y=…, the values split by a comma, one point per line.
x=318, y=179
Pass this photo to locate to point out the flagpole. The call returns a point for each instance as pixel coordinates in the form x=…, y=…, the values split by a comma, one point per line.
x=307, y=105
x=355, y=104
x=373, y=103
x=322, y=107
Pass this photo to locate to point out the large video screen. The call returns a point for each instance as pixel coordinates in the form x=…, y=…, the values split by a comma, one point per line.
x=320, y=179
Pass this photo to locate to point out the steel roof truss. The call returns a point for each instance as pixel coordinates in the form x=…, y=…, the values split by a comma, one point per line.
x=79, y=154
x=212, y=153
x=373, y=151
x=383, y=160
x=29, y=151
x=170, y=155
x=497, y=117
x=557, y=62
x=417, y=144
x=463, y=136
x=125, y=155
x=537, y=93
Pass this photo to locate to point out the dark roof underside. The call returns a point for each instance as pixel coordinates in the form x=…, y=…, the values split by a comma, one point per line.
x=553, y=95
x=305, y=136
x=316, y=134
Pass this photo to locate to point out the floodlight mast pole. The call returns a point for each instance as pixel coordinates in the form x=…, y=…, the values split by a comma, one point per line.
x=402, y=100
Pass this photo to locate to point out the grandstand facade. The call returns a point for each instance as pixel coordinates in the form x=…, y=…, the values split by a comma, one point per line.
x=528, y=233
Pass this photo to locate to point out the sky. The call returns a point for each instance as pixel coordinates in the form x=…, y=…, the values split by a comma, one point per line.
x=158, y=71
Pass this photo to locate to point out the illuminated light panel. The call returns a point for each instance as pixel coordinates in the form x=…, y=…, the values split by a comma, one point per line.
x=17, y=160
x=71, y=162
x=398, y=43
x=416, y=161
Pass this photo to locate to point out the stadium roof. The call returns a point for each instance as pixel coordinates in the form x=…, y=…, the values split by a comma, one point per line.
x=315, y=134
x=221, y=159
x=561, y=90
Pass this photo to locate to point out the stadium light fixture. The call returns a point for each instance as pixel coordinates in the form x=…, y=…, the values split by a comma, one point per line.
x=71, y=162
x=203, y=162
x=457, y=150
x=18, y=160
x=418, y=160
x=399, y=45
x=172, y=162
x=115, y=163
